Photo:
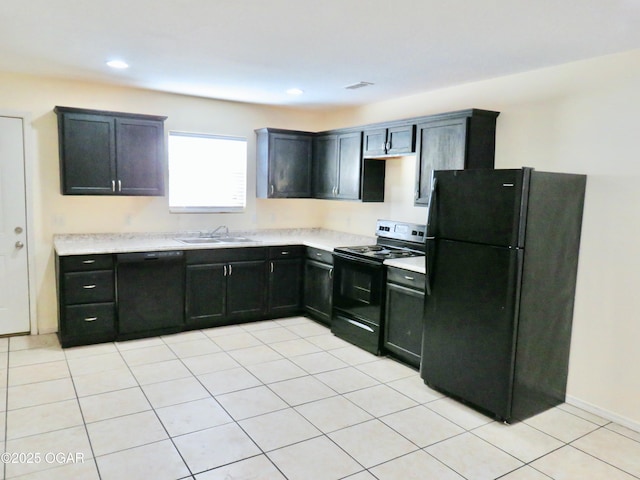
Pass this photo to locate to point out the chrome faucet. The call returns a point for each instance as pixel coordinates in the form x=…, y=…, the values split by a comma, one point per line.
x=213, y=232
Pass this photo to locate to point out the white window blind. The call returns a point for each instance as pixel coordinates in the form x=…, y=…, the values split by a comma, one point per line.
x=207, y=173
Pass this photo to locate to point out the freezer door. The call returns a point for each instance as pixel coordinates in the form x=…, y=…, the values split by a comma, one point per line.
x=480, y=206
x=470, y=324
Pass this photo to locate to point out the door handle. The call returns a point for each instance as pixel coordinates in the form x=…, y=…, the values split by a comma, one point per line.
x=19, y=244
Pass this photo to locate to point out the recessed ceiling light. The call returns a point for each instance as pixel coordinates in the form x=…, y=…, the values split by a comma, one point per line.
x=295, y=91
x=119, y=64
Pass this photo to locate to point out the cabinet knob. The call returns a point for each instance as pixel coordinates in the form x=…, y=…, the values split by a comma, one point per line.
x=19, y=244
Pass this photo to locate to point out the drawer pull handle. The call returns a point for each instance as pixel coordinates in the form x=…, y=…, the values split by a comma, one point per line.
x=90, y=319
x=88, y=261
x=319, y=254
x=88, y=287
x=409, y=278
x=284, y=253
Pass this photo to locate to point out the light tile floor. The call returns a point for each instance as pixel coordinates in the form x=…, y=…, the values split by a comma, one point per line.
x=280, y=399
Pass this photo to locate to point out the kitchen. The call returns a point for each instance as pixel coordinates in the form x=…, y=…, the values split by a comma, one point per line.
x=577, y=117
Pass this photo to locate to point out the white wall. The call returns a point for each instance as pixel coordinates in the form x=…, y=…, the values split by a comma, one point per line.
x=580, y=117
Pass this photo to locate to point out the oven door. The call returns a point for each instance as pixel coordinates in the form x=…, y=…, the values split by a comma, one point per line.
x=358, y=301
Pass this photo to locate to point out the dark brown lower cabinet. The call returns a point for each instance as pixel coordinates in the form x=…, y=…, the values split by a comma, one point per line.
x=318, y=284
x=224, y=286
x=403, y=321
x=285, y=280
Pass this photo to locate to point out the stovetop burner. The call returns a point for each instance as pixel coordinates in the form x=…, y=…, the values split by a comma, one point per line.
x=379, y=251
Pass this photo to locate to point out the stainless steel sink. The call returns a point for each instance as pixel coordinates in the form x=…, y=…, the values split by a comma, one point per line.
x=216, y=239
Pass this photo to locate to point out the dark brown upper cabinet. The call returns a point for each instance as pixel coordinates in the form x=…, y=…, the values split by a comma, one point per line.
x=389, y=141
x=453, y=141
x=337, y=160
x=110, y=153
x=283, y=163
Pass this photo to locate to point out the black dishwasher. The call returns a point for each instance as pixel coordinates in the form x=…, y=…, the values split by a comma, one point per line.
x=150, y=293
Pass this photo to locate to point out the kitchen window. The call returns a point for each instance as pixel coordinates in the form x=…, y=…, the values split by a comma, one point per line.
x=207, y=173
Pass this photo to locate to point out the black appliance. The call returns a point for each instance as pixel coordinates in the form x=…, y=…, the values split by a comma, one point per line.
x=502, y=250
x=150, y=289
x=359, y=282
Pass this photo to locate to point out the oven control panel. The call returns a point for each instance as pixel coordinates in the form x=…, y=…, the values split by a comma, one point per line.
x=409, y=232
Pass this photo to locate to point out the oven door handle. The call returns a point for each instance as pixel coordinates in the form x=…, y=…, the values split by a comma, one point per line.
x=360, y=325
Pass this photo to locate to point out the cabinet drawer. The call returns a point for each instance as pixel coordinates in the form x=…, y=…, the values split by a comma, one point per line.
x=81, y=263
x=319, y=255
x=287, y=251
x=88, y=319
x=88, y=287
x=407, y=278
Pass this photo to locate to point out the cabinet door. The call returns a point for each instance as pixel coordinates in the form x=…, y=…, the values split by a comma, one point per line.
x=246, y=287
x=374, y=142
x=401, y=140
x=325, y=166
x=441, y=146
x=205, y=299
x=285, y=282
x=317, y=290
x=289, y=165
x=87, y=154
x=140, y=157
x=403, y=325
x=349, y=165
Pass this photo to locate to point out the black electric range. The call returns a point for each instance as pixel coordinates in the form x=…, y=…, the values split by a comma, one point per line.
x=360, y=278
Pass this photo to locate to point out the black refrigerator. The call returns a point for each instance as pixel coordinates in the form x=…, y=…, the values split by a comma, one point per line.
x=501, y=265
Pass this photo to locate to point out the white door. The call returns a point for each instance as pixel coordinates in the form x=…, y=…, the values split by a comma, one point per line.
x=14, y=276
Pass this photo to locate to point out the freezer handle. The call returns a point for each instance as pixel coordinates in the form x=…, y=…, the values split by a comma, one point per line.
x=428, y=236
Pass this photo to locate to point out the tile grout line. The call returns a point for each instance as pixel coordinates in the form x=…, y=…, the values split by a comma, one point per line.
x=84, y=423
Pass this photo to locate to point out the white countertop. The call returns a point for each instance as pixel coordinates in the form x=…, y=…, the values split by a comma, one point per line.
x=88, y=244
x=415, y=264
x=100, y=243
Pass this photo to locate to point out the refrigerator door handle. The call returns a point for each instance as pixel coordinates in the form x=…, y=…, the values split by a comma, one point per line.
x=428, y=237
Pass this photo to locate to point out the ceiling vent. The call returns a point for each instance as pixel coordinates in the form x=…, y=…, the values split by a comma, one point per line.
x=358, y=85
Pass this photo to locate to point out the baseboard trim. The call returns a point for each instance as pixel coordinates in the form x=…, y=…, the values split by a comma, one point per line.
x=601, y=412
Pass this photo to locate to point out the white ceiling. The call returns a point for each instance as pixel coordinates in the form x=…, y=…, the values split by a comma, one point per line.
x=254, y=50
